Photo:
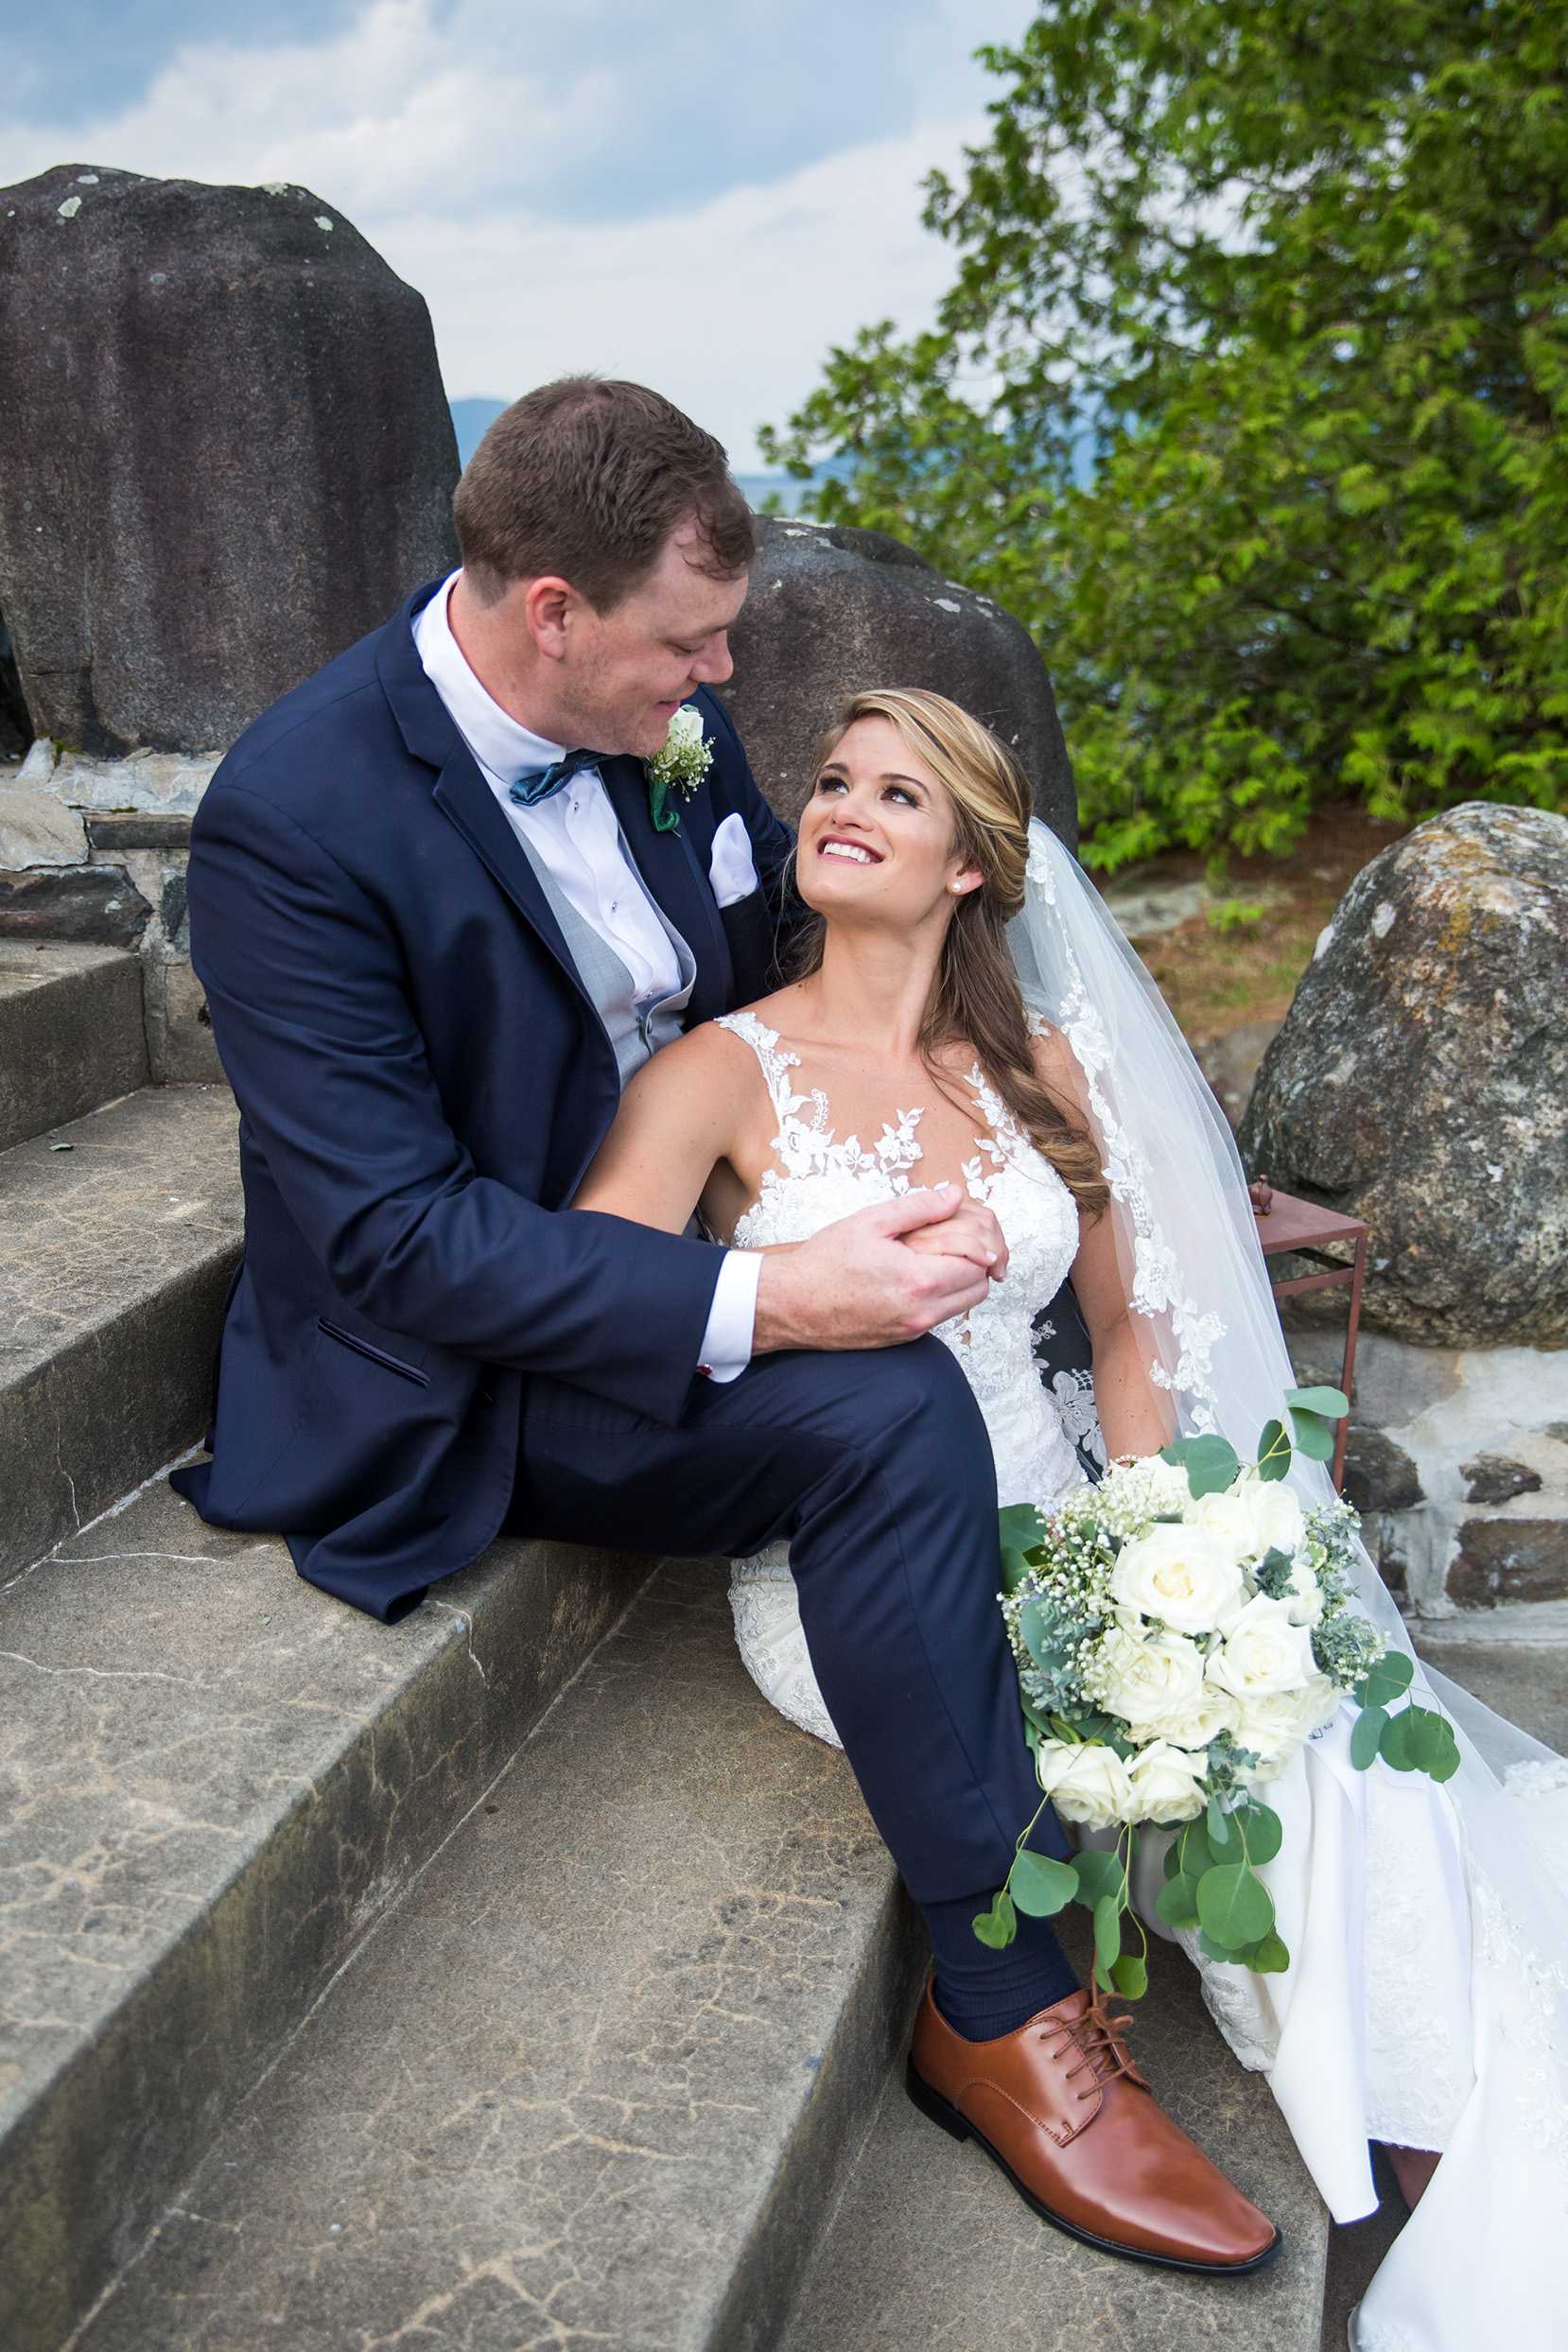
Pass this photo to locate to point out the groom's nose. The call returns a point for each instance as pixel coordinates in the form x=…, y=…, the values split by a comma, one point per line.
x=713, y=663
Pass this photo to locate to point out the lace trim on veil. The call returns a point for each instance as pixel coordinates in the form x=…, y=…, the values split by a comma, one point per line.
x=1156, y=1286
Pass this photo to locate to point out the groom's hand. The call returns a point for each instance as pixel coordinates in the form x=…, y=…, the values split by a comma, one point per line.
x=882, y=1277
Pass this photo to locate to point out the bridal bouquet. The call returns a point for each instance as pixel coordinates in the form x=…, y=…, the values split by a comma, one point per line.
x=1180, y=1629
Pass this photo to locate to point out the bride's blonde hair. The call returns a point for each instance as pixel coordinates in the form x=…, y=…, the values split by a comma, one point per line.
x=977, y=1000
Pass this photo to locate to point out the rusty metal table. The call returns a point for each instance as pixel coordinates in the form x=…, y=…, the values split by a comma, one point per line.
x=1293, y=1228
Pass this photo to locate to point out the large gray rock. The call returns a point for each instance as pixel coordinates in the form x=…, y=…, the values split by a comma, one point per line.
x=834, y=611
x=1421, y=1080
x=228, y=450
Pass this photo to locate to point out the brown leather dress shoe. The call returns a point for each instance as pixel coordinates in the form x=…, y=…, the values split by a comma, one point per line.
x=1060, y=2106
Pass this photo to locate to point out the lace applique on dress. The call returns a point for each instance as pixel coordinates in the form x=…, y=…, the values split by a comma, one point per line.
x=819, y=1180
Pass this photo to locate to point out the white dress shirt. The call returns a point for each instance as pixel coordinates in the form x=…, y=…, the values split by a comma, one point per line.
x=576, y=835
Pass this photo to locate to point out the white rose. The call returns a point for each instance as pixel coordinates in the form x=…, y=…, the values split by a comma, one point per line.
x=1274, y=1728
x=1086, y=1784
x=1214, y=1711
x=1165, y=1784
x=1306, y=1601
x=1167, y=1485
x=1149, y=1679
x=1263, y=1653
x=1226, y=1519
x=1275, y=1516
x=686, y=729
x=1177, y=1573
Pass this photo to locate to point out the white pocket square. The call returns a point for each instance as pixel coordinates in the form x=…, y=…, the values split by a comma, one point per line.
x=730, y=868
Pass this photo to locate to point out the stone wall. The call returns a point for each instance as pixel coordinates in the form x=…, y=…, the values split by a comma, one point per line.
x=1457, y=1459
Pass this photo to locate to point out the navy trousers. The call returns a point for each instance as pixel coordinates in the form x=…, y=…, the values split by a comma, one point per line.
x=877, y=1468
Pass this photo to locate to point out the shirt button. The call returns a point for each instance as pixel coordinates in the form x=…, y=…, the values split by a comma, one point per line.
x=615, y=906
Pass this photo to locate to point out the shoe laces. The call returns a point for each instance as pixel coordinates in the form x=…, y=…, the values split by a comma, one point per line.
x=1098, y=2036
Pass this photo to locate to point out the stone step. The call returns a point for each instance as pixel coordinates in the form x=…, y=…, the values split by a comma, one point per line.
x=213, y=1782
x=929, y=2246
x=596, y=2078
x=115, y=1257
x=71, y=1033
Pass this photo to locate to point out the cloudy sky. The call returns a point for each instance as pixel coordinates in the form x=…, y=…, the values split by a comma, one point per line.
x=704, y=196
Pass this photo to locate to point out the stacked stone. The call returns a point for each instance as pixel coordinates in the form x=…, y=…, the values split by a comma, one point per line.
x=231, y=456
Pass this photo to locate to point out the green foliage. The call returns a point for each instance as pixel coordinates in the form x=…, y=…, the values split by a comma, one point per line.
x=1042, y=1887
x=1273, y=1453
x=1293, y=283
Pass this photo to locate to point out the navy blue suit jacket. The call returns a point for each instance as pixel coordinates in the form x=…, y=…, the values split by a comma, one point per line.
x=421, y=1081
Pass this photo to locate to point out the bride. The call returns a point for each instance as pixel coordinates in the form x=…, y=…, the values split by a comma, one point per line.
x=965, y=1012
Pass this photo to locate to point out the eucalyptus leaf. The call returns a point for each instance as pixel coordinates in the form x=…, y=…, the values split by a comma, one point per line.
x=1273, y=1451
x=1020, y=1527
x=1222, y=1841
x=1040, y=1886
x=1313, y=1438
x=1194, y=1848
x=1215, y=1951
x=1234, y=1905
x=1014, y=1568
x=1364, y=1739
x=1177, y=1452
x=1270, y=1958
x=1332, y=1402
x=1177, y=1903
x=1100, y=1876
x=1132, y=1976
x=1032, y=1634
x=1172, y=1865
x=1448, y=1763
x=999, y=1926
x=1212, y=1463
x=1262, y=1829
x=1388, y=1680
x=1108, y=1931
x=1391, y=1743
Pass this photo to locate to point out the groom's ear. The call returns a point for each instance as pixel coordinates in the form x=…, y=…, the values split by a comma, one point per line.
x=553, y=612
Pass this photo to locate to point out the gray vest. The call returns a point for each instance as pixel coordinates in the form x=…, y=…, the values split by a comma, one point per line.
x=635, y=1027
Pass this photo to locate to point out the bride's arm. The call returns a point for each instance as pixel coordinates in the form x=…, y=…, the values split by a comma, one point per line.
x=674, y=1127
x=1135, y=1417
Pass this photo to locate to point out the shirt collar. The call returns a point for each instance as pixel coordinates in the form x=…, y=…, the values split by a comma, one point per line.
x=502, y=744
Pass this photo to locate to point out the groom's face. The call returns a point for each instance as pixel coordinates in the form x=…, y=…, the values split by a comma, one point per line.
x=625, y=673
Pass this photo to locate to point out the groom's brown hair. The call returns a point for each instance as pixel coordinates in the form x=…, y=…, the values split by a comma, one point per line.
x=586, y=479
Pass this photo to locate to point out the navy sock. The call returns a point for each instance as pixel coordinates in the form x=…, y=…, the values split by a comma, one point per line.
x=983, y=1993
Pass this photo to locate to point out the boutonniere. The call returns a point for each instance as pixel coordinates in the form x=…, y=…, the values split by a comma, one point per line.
x=683, y=761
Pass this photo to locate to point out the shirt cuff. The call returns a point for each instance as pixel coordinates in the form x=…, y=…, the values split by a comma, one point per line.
x=732, y=1319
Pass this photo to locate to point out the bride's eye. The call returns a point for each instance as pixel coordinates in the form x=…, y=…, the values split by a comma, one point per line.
x=900, y=791
x=830, y=784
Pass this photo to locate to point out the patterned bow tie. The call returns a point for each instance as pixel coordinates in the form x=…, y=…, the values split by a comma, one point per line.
x=537, y=784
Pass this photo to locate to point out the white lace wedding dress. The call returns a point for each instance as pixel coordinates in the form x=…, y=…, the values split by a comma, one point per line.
x=818, y=1180
x=1410, y=2013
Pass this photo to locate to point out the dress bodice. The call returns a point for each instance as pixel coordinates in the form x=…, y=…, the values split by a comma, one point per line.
x=818, y=1179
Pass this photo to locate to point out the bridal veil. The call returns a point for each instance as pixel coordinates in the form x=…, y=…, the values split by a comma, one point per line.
x=1480, y=2258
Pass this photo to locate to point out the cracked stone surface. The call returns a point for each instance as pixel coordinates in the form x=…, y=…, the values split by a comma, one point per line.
x=931, y=2247
x=71, y=1033
x=213, y=1780
x=591, y=2083
x=114, y=1257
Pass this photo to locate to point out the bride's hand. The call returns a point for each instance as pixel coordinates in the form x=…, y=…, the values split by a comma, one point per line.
x=866, y=1282
x=971, y=1232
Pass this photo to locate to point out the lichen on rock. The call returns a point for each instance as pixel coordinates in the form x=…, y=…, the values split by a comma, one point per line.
x=1420, y=1081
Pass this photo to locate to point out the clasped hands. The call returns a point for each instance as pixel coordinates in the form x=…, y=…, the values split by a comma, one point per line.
x=880, y=1277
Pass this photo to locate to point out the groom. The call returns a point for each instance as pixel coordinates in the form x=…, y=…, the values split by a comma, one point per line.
x=441, y=917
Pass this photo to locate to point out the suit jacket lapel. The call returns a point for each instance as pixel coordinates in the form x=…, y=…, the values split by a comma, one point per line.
x=669, y=865
x=462, y=794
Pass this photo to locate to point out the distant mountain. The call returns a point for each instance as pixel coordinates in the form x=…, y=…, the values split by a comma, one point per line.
x=471, y=421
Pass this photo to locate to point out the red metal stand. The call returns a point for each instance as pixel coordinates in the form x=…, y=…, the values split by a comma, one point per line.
x=1292, y=1228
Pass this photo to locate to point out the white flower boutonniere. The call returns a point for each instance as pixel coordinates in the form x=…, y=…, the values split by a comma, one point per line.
x=683, y=759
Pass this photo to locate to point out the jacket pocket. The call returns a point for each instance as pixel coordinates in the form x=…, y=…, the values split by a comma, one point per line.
x=375, y=1356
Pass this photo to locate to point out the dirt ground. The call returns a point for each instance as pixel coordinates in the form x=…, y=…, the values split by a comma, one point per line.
x=1219, y=973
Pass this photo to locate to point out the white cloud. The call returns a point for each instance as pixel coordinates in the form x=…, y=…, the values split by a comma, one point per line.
x=705, y=201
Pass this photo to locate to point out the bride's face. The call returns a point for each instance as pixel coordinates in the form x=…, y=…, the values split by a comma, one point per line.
x=877, y=836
